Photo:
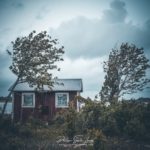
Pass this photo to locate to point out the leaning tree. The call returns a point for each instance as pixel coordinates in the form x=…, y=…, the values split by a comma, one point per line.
x=33, y=58
x=125, y=71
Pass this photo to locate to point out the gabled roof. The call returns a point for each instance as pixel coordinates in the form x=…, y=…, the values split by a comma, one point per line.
x=60, y=85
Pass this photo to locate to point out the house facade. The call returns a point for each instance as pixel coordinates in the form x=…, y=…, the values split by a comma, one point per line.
x=27, y=101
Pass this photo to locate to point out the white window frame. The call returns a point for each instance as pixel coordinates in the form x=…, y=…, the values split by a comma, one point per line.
x=22, y=99
x=56, y=99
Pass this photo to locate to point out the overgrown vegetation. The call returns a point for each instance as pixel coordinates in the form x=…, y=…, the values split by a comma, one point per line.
x=108, y=126
x=32, y=135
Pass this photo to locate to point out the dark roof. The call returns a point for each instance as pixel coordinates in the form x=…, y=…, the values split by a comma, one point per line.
x=60, y=85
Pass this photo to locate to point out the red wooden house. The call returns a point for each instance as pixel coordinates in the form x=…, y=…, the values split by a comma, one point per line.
x=27, y=101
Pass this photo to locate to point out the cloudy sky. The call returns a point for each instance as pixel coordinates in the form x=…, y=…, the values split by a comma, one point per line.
x=88, y=29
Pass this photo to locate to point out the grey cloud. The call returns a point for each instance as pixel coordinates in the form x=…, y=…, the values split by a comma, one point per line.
x=43, y=11
x=6, y=77
x=3, y=3
x=4, y=60
x=138, y=10
x=78, y=36
x=5, y=31
x=116, y=13
x=4, y=86
x=143, y=37
x=18, y=5
x=147, y=23
x=83, y=37
x=39, y=16
x=7, y=35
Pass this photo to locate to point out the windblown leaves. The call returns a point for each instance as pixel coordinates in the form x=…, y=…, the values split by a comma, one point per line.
x=33, y=57
x=125, y=72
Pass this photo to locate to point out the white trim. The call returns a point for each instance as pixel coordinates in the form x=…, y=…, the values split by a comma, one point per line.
x=78, y=93
x=56, y=99
x=22, y=98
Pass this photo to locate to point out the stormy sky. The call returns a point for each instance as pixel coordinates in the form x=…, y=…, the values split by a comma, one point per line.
x=88, y=29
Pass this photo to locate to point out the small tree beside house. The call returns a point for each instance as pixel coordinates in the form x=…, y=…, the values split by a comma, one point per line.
x=33, y=58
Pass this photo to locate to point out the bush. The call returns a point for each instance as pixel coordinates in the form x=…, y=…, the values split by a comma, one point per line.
x=99, y=140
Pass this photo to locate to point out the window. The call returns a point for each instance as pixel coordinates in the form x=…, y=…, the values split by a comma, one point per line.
x=28, y=99
x=61, y=99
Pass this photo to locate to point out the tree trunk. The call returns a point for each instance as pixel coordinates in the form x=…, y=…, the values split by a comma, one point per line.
x=9, y=95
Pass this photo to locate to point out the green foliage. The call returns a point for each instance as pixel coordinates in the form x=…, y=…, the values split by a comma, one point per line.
x=67, y=119
x=80, y=123
x=92, y=113
x=32, y=136
x=11, y=135
x=99, y=140
x=109, y=125
x=126, y=119
x=33, y=57
x=59, y=118
x=70, y=123
x=125, y=72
